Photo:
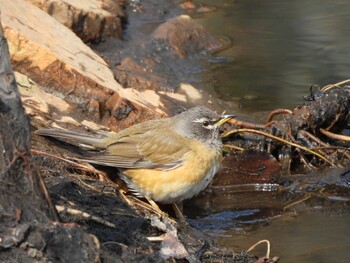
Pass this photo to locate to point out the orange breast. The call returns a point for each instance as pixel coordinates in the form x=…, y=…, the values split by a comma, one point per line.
x=184, y=182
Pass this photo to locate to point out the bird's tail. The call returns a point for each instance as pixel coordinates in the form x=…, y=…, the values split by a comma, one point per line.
x=78, y=139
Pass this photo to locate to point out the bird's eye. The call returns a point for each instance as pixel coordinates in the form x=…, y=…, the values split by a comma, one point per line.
x=206, y=123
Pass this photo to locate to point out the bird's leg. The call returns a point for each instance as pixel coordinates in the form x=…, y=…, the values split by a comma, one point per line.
x=155, y=206
x=178, y=208
x=125, y=198
x=150, y=206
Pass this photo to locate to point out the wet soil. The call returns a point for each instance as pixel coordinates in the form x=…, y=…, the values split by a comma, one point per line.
x=124, y=238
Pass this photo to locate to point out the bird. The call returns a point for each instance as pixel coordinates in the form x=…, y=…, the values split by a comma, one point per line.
x=166, y=160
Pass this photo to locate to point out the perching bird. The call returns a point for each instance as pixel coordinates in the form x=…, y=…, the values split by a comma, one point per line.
x=167, y=160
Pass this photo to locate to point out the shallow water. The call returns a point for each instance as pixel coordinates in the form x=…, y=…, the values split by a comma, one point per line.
x=279, y=48
x=302, y=226
x=309, y=237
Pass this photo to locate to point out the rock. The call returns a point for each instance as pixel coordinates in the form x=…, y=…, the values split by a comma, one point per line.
x=91, y=20
x=36, y=100
x=55, y=57
x=172, y=248
x=42, y=106
x=51, y=53
x=187, y=94
x=133, y=74
x=188, y=5
x=206, y=9
x=248, y=167
x=123, y=108
x=186, y=36
x=157, y=61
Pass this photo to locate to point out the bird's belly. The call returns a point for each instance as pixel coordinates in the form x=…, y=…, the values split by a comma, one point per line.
x=169, y=186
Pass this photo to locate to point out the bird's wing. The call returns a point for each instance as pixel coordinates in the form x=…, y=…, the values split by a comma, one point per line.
x=151, y=149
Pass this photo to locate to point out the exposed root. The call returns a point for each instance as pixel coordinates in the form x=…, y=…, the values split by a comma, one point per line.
x=335, y=136
x=308, y=128
x=313, y=138
x=277, y=112
x=246, y=124
x=339, y=149
x=336, y=85
x=229, y=146
x=280, y=140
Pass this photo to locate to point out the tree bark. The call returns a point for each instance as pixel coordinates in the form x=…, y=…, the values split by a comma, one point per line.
x=26, y=211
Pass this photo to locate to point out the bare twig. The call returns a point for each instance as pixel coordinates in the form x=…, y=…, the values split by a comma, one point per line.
x=246, y=124
x=233, y=147
x=276, y=112
x=258, y=243
x=297, y=202
x=77, y=212
x=336, y=85
x=78, y=165
x=335, y=136
x=280, y=140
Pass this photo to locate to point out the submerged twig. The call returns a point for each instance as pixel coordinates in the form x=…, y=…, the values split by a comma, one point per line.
x=258, y=243
x=308, y=196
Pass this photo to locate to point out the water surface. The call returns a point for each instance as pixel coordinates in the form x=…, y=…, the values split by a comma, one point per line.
x=279, y=48
x=309, y=237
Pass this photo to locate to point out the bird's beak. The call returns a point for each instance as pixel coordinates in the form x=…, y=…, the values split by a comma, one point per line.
x=224, y=119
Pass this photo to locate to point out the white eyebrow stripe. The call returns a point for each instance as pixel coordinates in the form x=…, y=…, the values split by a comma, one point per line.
x=201, y=120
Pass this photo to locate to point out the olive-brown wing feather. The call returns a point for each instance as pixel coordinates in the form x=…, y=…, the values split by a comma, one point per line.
x=152, y=149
